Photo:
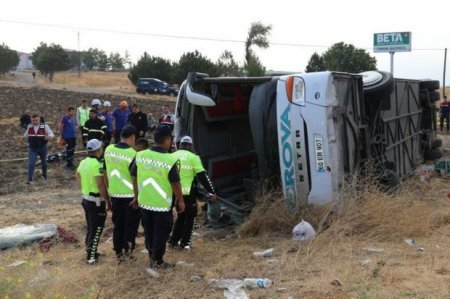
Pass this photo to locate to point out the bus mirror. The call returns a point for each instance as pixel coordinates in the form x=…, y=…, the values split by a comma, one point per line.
x=197, y=98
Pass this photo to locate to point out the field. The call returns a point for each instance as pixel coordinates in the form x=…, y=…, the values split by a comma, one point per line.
x=359, y=251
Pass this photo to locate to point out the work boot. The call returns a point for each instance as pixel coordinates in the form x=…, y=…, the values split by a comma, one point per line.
x=161, y=265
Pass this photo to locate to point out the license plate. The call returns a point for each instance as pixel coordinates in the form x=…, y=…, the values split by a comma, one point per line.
x=319, y=154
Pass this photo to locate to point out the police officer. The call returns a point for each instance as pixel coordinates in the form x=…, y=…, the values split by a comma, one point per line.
x=95, y=200
x=38, y=134
x=191, y=170
x=118, y=158
x=82, y=117
x=155, y=180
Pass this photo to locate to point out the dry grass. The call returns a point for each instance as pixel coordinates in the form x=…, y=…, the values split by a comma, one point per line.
x=89, y=79
x=367, y=217
x=112, y=82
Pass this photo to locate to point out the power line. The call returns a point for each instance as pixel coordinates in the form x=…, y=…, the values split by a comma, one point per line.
x=183, y=36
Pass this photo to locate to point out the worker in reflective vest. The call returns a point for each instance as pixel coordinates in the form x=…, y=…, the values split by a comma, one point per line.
x=191, y=170
x=82, y=117
x=94, y=127
x=155, y=180
x=95, y=200
x=37, y=134
x=118, y=158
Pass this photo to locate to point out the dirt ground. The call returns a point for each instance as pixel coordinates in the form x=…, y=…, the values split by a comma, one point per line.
x=338, y=263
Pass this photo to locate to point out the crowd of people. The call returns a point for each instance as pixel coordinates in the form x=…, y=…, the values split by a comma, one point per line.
x=136, y=183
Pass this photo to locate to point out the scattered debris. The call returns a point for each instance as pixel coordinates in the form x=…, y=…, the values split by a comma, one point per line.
x=195, y=278
x=257, y=282
x=22, y=234
x=265, y=253
x=280, y=290
x=152, y=272
x=63, y=236
x=365, y=262
x=336, y=282
x=374, y=250
x=184, y=264
x=144, y=251
x=421, y=249
x=303, y=231
x=410, y=242
x=425, y=172
x=17, y=264
x=233, y=288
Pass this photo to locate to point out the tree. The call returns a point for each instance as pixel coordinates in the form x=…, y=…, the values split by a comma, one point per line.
x=315, y=64
x=115, y=62
x=343, y=57
x=193, y=62
x=50, y=59
x=227, y=66
x=90, y=59
x=257, y=36
x=8, y=59
x=102, y=61
x=150, y=67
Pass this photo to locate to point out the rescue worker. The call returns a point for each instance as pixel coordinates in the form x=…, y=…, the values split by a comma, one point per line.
x=37, y=134
x=82, y=117
x=95, y=104
x=155, y=180
x=95, y=200
x=191, y=170
x=120, y=118
x=118, y=158
x=444, y=111
x=138, y=119
x=107, y=118
x=67, y=135
x=94, y=128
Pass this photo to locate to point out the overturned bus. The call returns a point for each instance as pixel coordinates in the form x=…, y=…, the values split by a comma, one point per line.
x=305, y=131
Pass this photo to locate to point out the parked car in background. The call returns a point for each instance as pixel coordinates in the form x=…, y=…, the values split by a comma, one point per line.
x=155, y=86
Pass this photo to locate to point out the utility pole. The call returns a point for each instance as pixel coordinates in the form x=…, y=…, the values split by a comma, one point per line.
x=445, y=67
x=79, y=56
x=392, y=62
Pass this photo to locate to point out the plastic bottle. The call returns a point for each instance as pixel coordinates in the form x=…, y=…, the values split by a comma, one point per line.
x=257, y=282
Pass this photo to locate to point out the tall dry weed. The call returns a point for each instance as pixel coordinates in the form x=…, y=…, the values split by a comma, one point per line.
x=363, y=210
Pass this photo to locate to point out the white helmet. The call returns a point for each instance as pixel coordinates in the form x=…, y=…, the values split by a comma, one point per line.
x=106, y=104
x=96, y=102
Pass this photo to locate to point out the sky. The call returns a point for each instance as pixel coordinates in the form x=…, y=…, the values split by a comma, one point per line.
x=169, y=28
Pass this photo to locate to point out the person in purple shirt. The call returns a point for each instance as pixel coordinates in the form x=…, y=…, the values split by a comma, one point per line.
x=67, y=132
x=120, y=119
x=107, y=117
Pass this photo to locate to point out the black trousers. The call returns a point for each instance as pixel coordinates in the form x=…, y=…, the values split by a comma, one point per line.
x=95, y=219
x=117, y=136
x=126, y=224
x=446, y=117
x=83, y=137
x=157, y=227
x=70, y=149
x=107, y=139
x=184, y=225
